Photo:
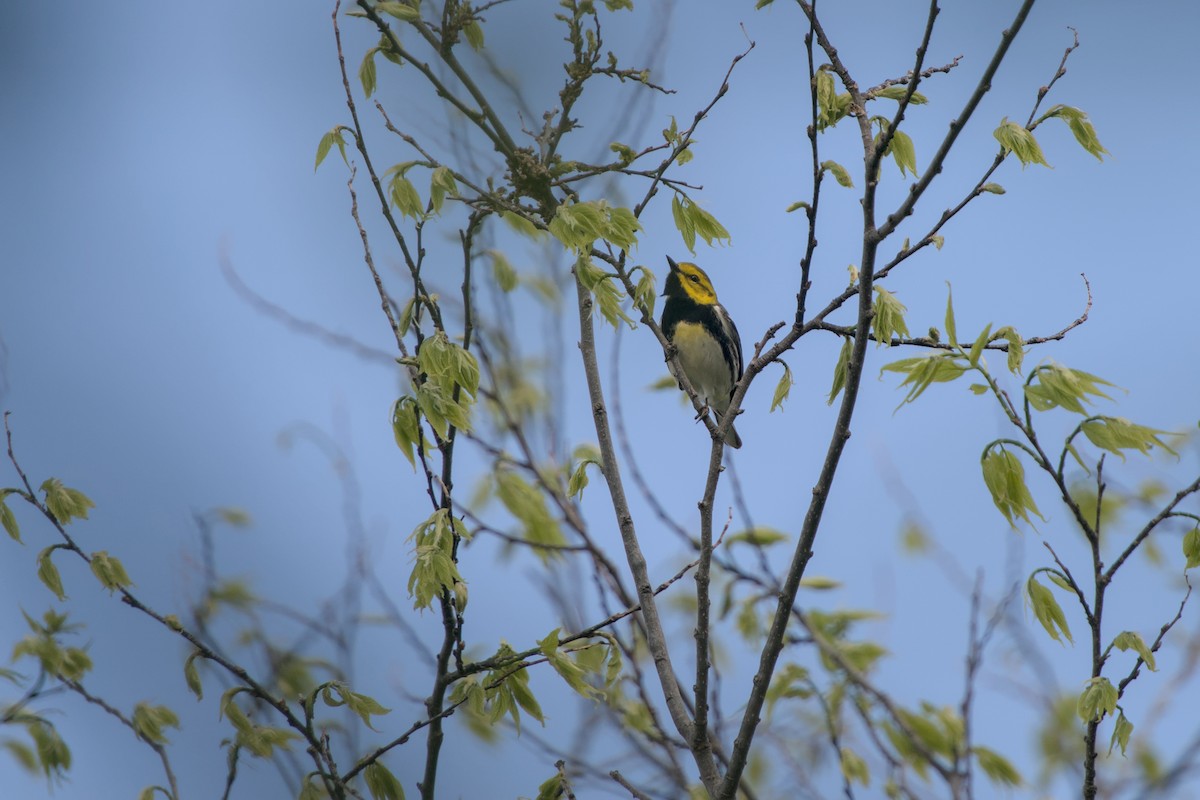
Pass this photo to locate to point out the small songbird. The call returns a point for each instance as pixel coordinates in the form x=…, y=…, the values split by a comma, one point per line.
x=707, y=341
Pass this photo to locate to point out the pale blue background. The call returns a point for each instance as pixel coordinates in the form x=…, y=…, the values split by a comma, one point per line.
x=141, y=140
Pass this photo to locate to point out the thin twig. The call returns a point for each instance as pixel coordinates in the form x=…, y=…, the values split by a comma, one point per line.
x=158, y=748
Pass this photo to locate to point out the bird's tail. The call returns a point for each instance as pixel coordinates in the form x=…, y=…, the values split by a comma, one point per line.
x=731, y=438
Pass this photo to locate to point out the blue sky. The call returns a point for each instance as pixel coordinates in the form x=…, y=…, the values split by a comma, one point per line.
x=142, y=141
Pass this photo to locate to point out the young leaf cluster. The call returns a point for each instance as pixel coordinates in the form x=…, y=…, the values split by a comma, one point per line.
x=589, y=670
x=691, y=220
x=503, y=690
x=258, y=740
x=434, y=569
x=579, y=225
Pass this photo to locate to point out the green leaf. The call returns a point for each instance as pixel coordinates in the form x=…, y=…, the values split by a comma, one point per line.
x=474, y=33
x=1129, y=640
x=605, y=289
x=1115, y=434
x=75, y=663
x=522, y=225
x=783, y=388
x=48, y=573
x=401, y=11
x=819, y=584
x=951, y=326
x=514, y=689
x=456, y=364
x=832, y=107
x=684, y=224
x=109, y=571
x=1191, y=547
x=434, y=570
x=388, y=49
x=839, y=173
x=992, y=188
x=261, y=740
x=579, y=225
x=758, y=536
x=923, y=730
x=889, y=317
x=1059, y=580
x=922, y=372
x=236, y=517
x=149, y=721
x=461, y=595
x=337, y=693
x=977, y=348
x=622, y=227
x=841, y=369
x=861, y=655
x=528, y=506
x=310, y=790
x=796, y=206
x=551, y=788
x=625, y=154
x=192, y=675
x=914, y=539
x=566, y=667
x=998, y=768
x=854, y=768
x=791, y=681
x=898, y=92
x=1097, y=699
x=662, y=384
x=334, y=136
x=406, y=426
x=671, y=134
x=1081, y=127
x=234, y=593
x=1055, y=385
x=693, y=221
x=1047, y=610
x=502, y=272
x=903, y=152
x=23, y=754
x=1016, y=348
x=1016, y=139
x=584, y=455
x=366, y=74
x=404, y=195
x=1005, y=479
x=65, y=503
x=7, y=518
x=1121, y=733
x=644, y=291
x=381, y=783
x=441, y=183
x=52, y=751
x=448, y=368
x=411, y=308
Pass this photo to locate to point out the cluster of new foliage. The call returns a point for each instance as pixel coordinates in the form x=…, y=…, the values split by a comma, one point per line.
x=474, y=398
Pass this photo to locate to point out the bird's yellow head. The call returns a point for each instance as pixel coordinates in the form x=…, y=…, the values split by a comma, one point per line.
x=686, y=280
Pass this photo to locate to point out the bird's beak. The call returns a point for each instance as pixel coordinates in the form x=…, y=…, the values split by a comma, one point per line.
x=672, y=264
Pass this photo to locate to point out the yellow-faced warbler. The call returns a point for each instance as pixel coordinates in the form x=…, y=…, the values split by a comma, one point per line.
x=707, y=341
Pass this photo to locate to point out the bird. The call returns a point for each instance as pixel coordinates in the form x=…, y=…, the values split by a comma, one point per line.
x=705, y=339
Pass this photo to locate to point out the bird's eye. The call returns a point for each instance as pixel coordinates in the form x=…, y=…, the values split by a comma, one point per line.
x=694, y=278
